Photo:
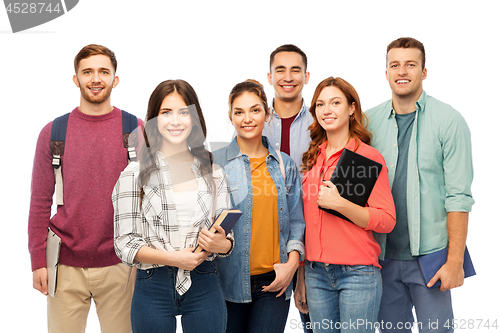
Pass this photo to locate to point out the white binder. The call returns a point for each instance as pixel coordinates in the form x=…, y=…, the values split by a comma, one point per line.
x=52, y=258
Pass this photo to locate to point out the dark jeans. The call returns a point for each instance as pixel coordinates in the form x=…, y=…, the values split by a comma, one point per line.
x=265, y=313
x=156, y=302
x=405, y=288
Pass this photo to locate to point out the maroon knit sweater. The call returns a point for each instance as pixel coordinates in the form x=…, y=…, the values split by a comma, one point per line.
x=93, y=158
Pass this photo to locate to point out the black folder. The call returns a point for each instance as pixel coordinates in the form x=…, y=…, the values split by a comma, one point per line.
x=354, y=176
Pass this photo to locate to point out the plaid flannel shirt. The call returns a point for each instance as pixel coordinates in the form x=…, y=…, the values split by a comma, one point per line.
x=156, y=224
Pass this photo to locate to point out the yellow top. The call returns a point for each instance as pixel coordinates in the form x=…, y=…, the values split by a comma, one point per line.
x=264, y=243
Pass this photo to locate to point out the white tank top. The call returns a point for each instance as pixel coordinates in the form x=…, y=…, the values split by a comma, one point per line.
x=184, y=208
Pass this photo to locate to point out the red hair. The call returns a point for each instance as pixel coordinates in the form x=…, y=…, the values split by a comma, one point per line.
x=357, y=123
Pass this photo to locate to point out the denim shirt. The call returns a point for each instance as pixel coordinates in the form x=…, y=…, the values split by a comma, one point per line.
x=234, y=271
x=299, y=134
x=439, y=168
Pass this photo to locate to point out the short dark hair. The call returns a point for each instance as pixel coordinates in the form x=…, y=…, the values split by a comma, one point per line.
x=92, y=50
x=288, y=48
x=407, y=43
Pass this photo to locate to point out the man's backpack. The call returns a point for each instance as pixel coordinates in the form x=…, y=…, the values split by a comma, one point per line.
x=58, y=136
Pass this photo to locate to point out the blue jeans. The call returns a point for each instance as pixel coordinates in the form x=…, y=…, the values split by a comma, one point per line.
x=404, y=287
x=265, y=313
x=156, y=302
x=343, y=298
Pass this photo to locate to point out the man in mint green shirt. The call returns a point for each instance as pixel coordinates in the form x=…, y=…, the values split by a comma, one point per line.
x=427, y=147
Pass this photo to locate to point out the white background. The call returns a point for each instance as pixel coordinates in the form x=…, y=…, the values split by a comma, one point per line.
x=214, y=45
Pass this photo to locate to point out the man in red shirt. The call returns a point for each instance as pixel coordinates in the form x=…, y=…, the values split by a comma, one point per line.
x=290, y=117
x=94, y=156
x=287, y=128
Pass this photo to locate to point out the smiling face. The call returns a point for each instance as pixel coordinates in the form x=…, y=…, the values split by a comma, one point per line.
x=288, y=76
x=248, y=116
x=96, y=78
x=333, y=110
x=174, y=121
x=405, y=73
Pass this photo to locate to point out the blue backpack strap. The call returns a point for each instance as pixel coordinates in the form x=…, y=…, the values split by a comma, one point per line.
x=129, y=124
x=58, y=134
x=57, y=139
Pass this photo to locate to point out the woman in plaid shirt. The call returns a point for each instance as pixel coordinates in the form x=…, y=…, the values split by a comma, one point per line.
x=163, y=206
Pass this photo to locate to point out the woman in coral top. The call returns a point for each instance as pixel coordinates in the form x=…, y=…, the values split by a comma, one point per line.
x=341, y=276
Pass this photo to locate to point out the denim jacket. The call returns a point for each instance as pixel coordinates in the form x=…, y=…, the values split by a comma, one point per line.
x=234, y=271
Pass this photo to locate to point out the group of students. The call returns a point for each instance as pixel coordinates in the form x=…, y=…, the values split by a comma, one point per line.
x=277, y=172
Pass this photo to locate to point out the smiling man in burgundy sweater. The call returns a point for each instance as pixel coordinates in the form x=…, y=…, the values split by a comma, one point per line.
x=94, y=156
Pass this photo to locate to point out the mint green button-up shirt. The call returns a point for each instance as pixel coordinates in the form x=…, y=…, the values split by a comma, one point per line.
x=439, y=168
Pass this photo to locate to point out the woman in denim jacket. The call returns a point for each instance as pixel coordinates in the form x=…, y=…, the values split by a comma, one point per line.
x=256, y=278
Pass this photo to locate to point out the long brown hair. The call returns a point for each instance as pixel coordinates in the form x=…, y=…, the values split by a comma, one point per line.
x=153, y=138
x=357, y=123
